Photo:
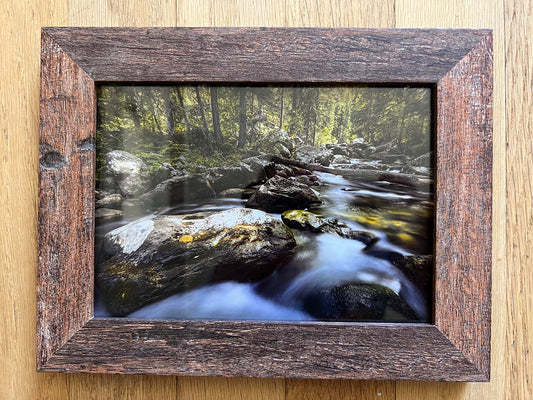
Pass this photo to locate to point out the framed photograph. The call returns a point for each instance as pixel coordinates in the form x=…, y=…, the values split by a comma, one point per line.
x=266, y=202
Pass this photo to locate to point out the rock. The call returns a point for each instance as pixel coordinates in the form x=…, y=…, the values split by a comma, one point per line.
x=309, y=180
x=257, y=165
x=103, y=215
x=164, y=172
x=236, y=193
x=308, y=221
x=282, y=150
x=422, y=161
x=222, y=178
x=338, y=148
x=280, y=194
x=158, y=256
x=419, y=270
x=126, y=172
x=109, y=201
x=339, y=159
x=314, y=155
x=274, y=169
x=178, y=190
x=358, y=301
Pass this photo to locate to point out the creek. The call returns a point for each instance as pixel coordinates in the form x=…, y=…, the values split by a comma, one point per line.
x=321, y=261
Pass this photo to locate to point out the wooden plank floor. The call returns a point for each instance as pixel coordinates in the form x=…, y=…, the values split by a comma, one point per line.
x=512, y=21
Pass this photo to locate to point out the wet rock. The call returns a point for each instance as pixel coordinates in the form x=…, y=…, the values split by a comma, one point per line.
x=409, y=226
x=309, y=180
x=358, y=301
x=419, y=270
x=103, y=215
x=158, y=256
x=109, y=201
x=314, y=155
x=126, y=172
x=280, y=194
x=178, y=190
x=308, y=221
x=274, y=169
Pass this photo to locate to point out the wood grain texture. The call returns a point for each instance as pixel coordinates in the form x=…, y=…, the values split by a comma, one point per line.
x=304, y=389
x=19, y=124
x=519, y=109
x=345, y=350
x=463, y=208
x=474, y=14
x=66, y=200
x=20, y=28
x=265, y=55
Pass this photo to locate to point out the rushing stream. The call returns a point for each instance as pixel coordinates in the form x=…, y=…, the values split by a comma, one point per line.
x=321, y=261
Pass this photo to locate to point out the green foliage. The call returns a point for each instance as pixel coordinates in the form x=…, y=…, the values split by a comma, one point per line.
x=160, y=124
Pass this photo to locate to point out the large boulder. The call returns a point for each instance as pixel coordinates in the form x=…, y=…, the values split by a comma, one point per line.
x=358, y=301
x=308, y=221
x=178, y=190
x=280, y=194
x=159, y=256
x=222, y=178
x=125, y=172
x=165, y=171
x=313, y=155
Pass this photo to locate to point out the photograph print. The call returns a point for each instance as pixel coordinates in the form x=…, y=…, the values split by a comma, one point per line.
x=264, y=203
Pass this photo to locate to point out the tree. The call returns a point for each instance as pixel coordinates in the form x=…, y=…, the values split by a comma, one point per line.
x=216, y=115
x=242, y=118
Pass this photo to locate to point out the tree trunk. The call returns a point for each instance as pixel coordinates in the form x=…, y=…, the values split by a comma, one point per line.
x=242, y=119
x=281, y=108
x=201, y=107
x=182, y=105
x=216, y=115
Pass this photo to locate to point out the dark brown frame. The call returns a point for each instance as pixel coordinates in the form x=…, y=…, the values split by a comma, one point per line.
x=457, y=63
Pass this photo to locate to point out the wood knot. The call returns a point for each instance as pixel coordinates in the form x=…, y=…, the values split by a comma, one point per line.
x=52, y=160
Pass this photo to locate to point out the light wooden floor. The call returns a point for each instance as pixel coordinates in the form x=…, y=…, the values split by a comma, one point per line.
x=512, y=21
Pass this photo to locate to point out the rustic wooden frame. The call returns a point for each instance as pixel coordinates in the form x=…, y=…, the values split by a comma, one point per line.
x=456, y=63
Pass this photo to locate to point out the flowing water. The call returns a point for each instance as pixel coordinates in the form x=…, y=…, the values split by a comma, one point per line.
x=321, y=261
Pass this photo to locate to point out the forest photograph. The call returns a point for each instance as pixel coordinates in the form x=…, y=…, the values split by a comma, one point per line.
x=266, y=203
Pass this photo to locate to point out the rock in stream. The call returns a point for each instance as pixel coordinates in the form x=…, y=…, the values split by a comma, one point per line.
x=154, y=257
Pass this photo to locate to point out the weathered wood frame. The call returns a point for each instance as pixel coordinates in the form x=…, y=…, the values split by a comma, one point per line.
x=456, y=63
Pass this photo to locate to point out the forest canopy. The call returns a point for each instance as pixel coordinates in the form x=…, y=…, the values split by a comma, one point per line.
x=219, y=124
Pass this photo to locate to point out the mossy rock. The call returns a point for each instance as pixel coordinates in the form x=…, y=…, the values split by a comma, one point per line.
x=155, y=257
x=358, y=302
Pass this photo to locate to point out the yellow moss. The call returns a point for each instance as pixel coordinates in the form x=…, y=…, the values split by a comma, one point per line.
x=186, y=239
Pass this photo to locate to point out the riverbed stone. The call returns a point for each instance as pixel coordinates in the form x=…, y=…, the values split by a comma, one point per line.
x=158, y=256
x=308, y=221
x=313, y=155
x=280, y=194
x=358, y=301
x=178, y=190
